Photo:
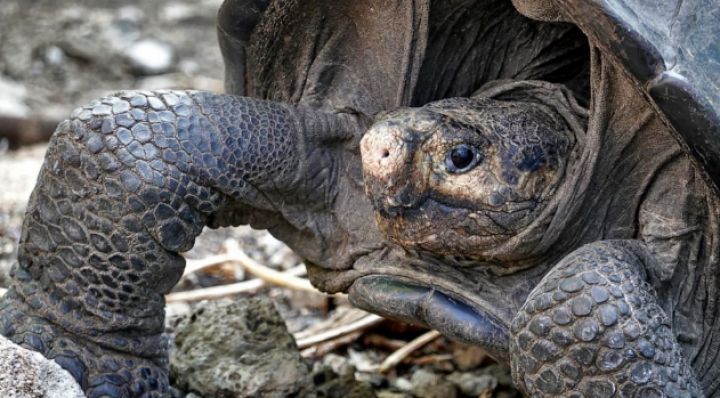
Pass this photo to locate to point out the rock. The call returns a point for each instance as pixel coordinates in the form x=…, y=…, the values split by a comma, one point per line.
x=500, y=372
x=338, y=364
x=364, y=361
x=473, y=384
x=239, y=349
x=392, y=394
x=403, y=384
x=25, y=373
x=150, y=57
x=376, y=380
x=329, y=385
x=174, y=311
x=54, y=55
x=426, y=384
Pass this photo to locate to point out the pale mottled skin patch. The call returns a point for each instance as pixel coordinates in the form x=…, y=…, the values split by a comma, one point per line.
x=423, y=201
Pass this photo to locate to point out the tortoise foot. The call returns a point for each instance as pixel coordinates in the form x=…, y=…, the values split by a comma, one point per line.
x=593, y=328
x=100, y=371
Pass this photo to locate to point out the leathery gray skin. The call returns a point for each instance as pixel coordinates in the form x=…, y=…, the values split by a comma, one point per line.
x=127, y=183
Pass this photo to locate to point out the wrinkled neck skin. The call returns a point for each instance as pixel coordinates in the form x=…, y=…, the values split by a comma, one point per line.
x=509, y=269
x=607, y=175
x=599, y=197
x=327, y=67
x=524, y=137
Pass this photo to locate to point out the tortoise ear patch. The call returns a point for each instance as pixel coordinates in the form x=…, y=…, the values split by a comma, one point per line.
x=532, y=159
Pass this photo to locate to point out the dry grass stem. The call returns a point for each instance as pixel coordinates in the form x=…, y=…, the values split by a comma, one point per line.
x=378, y=340
x=330, y=345
x=431, y=359
x=192, y=266
x=361, y=324
x=342, y=316
x=398, y=356
x=267, y=274
x=217, y=292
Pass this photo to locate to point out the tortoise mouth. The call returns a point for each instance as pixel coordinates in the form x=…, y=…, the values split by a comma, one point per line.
x=463, y=303
x=459, y=229
x=388, y=209
x=416, y=302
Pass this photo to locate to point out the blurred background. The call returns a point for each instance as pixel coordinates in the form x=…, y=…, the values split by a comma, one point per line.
x=55, y=55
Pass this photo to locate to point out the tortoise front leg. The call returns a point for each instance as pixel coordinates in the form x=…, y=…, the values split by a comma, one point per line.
x=128, y=183
x=593, y=328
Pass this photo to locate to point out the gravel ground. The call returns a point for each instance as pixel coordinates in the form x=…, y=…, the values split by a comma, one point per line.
x=58, y=54
x=55, y=55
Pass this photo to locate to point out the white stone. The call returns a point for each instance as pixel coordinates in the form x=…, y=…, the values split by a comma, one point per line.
x=25, y=374
x=12, y=99
x=150, y=56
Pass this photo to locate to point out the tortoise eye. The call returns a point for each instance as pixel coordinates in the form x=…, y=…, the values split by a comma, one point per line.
x=462, y=158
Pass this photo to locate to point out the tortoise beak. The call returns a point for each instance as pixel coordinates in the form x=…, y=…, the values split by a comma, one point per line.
x=393, y=180
x=401, y=299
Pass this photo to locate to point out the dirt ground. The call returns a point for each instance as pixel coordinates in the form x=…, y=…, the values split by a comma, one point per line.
x=55, y=55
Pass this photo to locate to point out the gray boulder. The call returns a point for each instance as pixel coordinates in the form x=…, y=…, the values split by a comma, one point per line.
x=237, y=349
x=25, y=373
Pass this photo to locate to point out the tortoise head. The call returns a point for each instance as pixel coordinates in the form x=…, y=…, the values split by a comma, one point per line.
x=462, y=176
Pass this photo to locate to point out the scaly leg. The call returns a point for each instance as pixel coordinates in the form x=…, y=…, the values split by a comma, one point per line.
x=128, y=182
x=593, y=328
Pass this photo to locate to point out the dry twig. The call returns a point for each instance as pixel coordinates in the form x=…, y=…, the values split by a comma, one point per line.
x=378, y=340
x=342, y=316
x=288, y=279
x=363, y=323
x=330, y=345
x=193, y=266
x=431, y=359
x=396, y=357
x=217, y=292
x=267, y=274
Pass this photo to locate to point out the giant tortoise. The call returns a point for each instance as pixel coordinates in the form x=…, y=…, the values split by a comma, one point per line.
x=535, y=177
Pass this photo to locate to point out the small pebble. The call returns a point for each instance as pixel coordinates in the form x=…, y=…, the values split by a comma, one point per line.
x=376, y=380
x=54, y=55
x=473, y=384
x=391, y=394
x=150, y=57
x=403, y=384
x=364, y=361
x=338, y=364
x=430, y=385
